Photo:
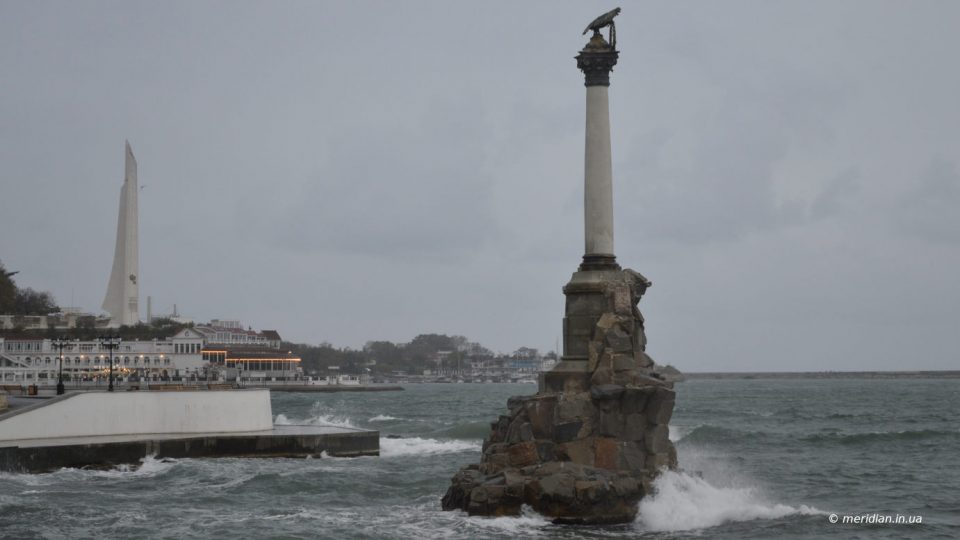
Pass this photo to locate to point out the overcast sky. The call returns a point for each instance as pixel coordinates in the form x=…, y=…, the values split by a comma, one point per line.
x=786, y=173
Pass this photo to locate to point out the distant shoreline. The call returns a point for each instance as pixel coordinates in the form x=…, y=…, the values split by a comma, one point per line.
x=953, y=374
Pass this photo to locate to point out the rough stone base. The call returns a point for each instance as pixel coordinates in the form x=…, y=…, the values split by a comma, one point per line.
x=587, y=447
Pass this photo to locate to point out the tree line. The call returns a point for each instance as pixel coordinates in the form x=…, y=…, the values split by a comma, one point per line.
x=23, y=301
x=423, y=352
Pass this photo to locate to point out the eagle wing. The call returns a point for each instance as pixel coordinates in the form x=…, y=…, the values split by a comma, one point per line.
x=602, y=20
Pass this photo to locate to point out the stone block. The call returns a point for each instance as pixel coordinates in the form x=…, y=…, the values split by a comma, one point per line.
x=619, y=341
x=515, y=403
x=589, y=427
x=514, y=483
x=607, y=321
x=624, y=377
x=495, y=448
x=634, y=426
x=573, y=407
x=461, y=485
x=626, y=487
x=634, y=400
x=646, y=380
x=632, y=457
x=557, y=487
x=602, y=375
x=592, y=304
x=656, y=439
x=579, y=451
x=610, y=424
x=523, y=454
x=641, y=358
x=594, y=352
x=500, y=428
x=622, y=299
x=575, y=385
x=519, y=431
x=546, y=450
x=590, y=490
x=622, y=362
x=606, y=452
x=580, y=326
x=567, y=431
x=606, y=392
x=541, y=415
x=660, y=406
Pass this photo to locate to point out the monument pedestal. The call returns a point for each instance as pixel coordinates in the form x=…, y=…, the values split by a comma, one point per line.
x=586, y=303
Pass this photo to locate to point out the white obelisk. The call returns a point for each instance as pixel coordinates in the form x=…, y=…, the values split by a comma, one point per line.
x=123, y=290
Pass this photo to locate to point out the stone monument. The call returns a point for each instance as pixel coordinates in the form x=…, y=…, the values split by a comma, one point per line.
x=587, y=447
x=123, y=290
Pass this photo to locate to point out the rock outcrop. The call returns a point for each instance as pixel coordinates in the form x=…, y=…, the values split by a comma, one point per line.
x=588, y=451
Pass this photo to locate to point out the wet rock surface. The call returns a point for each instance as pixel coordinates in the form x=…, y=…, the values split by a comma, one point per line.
x=589, y=452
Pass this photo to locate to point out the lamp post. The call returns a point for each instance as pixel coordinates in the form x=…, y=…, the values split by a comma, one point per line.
x=60, y=343
x=111, y=343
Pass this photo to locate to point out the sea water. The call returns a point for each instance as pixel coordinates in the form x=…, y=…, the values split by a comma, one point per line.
x=760, y=459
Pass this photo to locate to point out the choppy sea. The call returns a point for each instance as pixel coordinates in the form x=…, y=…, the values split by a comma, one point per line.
x=760, y=459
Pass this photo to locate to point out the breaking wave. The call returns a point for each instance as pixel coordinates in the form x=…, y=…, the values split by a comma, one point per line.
x=382, y=418
x=684, y=502
x=414, y=446
x=528, y=524
x=677, y=433
x=318, y=420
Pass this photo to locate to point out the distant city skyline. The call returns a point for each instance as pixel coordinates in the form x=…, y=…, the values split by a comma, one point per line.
x=786, y=174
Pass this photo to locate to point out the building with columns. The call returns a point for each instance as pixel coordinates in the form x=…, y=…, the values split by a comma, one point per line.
x=37, y=361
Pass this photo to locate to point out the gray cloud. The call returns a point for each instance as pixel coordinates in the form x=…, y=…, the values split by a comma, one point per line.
x=785, y=173
x=931, y=208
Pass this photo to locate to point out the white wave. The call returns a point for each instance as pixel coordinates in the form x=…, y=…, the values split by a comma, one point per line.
x=318, y=420
x=149, y=467
x=528, y=524
x=383, y=418
x=423, y=447
x=683, y=502
x=677, y=433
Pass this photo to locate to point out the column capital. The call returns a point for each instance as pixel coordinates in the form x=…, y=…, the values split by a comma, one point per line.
x=596, y=60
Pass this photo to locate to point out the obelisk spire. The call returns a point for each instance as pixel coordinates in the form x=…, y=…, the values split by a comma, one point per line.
x=123, y=290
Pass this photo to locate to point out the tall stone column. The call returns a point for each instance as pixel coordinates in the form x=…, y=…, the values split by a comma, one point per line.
x=587, y=292
x=596, y=60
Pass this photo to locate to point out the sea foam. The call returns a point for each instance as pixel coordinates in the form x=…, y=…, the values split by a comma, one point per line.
x=319, y=419
x=417, y=446
x=683, y=502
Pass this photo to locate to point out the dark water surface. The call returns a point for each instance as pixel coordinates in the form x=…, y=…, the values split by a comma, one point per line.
x=762, y=459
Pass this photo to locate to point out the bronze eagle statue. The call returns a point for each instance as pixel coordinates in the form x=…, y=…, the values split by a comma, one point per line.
x=605, y=20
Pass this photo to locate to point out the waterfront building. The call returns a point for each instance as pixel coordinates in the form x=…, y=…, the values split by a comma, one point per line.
x=231, y=332
x=242, y=354
x=36, y=360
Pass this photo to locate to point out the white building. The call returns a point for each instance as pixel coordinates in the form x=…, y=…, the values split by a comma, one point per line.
x=37, y=361
x=232, y=333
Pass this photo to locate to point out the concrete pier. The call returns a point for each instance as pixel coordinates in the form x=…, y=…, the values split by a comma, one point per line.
x=104, y=429
x=42, y=455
